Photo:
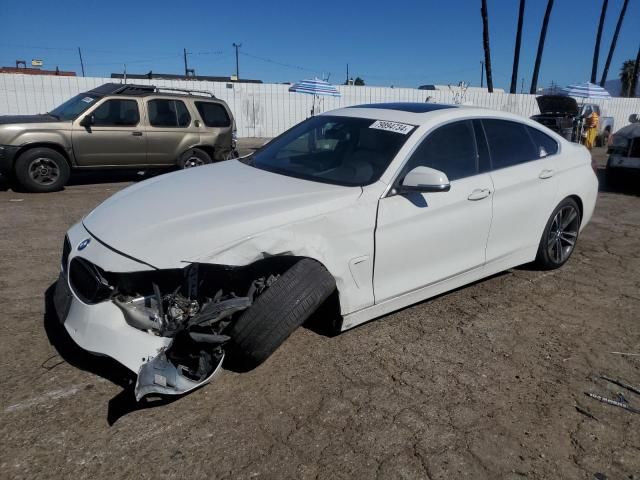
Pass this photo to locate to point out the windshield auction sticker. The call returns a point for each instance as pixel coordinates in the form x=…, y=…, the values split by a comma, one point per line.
x=87, y=99
x=402, y=128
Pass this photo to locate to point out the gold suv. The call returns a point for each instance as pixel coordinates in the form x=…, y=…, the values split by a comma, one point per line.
x=116, y=126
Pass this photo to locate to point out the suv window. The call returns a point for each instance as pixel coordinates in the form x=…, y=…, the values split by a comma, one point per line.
x=450, y=149
x=545, y=145
x=117, y=113
x=509, y=143
x=213, y=114
x=168, y=113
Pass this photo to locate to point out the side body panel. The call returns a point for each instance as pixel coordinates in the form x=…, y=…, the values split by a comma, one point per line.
x=110, y=145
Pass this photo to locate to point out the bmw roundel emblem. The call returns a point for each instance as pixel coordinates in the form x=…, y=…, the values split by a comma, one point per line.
x=83, y=244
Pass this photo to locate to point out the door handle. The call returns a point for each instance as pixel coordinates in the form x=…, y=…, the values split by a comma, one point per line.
x=479, y=194
x=544, y=174
x=136, y=134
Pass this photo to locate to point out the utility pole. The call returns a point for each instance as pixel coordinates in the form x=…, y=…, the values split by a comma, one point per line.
x=481, y=74
x=237, y=46
x=186, y=68
x=522, y=85
x=347, y=81
x=81, y=62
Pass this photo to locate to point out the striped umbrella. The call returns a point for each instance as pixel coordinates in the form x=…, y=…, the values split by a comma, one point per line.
x=315, y=87
x=586, y=90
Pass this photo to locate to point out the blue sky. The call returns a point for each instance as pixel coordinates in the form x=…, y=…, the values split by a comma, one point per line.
x=406, y=43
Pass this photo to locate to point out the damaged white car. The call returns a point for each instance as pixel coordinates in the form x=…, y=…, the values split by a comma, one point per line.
x=381, y=206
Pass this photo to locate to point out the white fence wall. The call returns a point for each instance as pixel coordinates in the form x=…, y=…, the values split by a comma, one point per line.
x=265, y=110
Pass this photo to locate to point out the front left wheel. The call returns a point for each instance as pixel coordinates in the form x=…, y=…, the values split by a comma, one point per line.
x=42, y=170
x=560, y=235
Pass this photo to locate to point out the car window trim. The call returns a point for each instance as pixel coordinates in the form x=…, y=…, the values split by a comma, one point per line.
x=528, y=136
x=398, y=175
x=176, y=110
x=107, y=99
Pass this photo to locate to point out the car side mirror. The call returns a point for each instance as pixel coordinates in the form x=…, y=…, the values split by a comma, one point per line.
x=86, y=121
x=425, y=179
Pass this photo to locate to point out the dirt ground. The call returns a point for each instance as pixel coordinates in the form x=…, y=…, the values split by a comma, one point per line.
x=482, y=382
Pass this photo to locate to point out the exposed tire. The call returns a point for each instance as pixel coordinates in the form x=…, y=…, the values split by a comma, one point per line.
x=560, y=235
x=278, y=311
x=194, y=157
x=41, y=170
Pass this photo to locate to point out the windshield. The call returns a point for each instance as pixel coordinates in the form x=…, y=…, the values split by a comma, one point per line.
x=73, y=107
x=339, y=150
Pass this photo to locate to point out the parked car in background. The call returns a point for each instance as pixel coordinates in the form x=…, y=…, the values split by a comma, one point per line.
x=624, y=150
x=115, y=126
x=564, y=116
x=375, y=206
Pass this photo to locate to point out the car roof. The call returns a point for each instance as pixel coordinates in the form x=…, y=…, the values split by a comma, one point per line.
x=424, y=113
x=132, y=89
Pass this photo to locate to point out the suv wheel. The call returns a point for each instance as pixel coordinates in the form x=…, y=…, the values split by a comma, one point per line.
x=42, y=170
x=193, y=157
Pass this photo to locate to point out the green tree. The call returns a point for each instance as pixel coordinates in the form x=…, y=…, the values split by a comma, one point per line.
x=358, y=81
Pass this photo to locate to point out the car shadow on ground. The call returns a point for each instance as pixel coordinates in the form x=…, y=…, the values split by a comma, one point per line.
x=113, y=176
x=626, y=182
x=124, y=402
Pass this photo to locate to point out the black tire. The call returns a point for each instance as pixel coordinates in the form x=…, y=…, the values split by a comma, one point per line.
x=193, y=157
x=41, y=170
x=546, y=259
x=278, y=312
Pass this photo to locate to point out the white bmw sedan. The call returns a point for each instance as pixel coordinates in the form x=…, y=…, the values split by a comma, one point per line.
x=366, y=209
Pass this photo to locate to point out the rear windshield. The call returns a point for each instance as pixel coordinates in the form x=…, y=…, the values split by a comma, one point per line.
x=331, y=149
x=213, y=114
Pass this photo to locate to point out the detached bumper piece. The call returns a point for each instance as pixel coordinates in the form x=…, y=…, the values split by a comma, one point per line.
x=164, y=377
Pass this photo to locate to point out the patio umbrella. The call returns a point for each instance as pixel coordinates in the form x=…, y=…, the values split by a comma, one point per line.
x=315, y=87
x=586, y=90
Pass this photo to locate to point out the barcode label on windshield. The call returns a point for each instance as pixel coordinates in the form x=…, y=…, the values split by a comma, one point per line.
x=402, y=128
x=87, y=99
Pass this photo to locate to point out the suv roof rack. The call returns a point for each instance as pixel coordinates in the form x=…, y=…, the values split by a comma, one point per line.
x=134, y=89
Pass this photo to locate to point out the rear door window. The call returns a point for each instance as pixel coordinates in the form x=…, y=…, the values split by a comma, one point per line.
x=213, y=114
x=450, y=149
x=168, y=113
x=116, y=113
x=509, y=143
x=544, y=143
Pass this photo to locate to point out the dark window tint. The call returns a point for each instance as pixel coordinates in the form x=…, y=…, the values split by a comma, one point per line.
x=213, y=114
x=168, y=113
x=509, y=143
x=545, y=145
x=450, y=149
x=117, y=113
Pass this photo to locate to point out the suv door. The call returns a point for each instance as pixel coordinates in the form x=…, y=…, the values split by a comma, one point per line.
x=170, y=131
x=423, y=238
x=115, y=136
x=524, y=168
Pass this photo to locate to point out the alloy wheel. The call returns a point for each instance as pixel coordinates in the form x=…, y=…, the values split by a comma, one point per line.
x=563, y=234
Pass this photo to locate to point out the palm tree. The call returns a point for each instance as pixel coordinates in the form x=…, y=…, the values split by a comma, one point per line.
x=614, y=40
x=516, y=53
x=543, y=34
x=634, y=75
x=485, y=44
x=596, y=50
x=627, y=77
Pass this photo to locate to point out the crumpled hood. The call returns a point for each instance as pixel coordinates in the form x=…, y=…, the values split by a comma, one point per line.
x=195, y=213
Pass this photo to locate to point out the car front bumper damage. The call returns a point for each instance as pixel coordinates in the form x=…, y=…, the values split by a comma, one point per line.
x=171, y=338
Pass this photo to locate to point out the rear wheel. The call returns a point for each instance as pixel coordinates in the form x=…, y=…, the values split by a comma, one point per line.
x=194, y=157
x=278, y=311
x=42, y=170
x=560, y=235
